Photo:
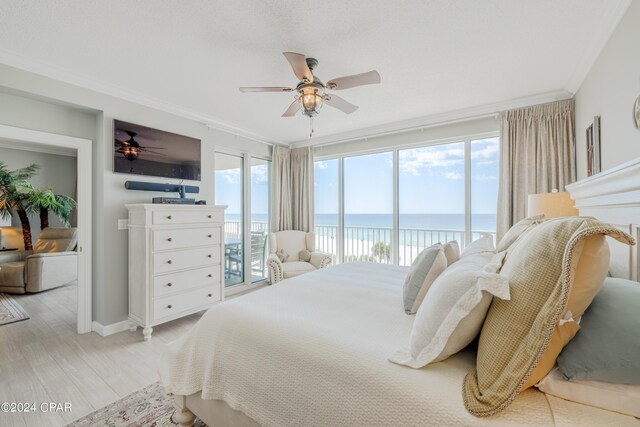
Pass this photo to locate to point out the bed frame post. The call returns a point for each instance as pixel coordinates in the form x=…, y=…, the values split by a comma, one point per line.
x=182, y=415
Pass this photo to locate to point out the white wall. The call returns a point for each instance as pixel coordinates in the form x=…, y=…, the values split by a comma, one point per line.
x=57, y=172
x=32, y=101
x=609, y=91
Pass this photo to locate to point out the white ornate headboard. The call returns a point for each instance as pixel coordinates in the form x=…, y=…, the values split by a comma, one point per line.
x=614, y=196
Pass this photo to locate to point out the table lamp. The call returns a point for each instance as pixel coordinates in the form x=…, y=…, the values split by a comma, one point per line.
x=552, y=205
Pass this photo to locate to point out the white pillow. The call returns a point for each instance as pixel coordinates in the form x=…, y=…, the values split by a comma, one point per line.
x=623, y=398
x=452, y=251
x=424, y=270
x=483, y=244
x=452, y=313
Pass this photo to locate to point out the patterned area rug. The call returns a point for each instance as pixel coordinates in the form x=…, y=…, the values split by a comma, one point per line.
x=10, y=310
x=151, y=407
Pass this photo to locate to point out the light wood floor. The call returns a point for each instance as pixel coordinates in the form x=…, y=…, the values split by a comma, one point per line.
x=43, y=359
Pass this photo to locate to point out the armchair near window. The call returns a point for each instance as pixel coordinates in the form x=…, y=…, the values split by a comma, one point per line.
x=291, y=243
x=52, y=263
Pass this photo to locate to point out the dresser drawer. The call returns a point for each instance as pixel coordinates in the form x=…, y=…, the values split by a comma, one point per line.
x=174, y=304
x=185, y=238
x=166, y=262
x=176, y=282
x=187, y=217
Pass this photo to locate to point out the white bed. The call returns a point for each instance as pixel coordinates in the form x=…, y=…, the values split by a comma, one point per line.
x=313, y=350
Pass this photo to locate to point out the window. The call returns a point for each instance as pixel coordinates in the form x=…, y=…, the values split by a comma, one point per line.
x=431, y=190
x=368, y=207
x=485, y=155
x=387, y=207
x=327, y=195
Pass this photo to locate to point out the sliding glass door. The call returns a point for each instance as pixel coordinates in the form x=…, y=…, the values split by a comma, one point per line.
x=229, y=190
x=484, y=164
x=259, y=218
x=242, y=183
x=327, y=195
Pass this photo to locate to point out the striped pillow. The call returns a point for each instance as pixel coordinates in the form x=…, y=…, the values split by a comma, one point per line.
x=424, y=270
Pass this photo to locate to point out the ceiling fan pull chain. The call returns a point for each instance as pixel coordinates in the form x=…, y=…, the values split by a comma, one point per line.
x=311, y=127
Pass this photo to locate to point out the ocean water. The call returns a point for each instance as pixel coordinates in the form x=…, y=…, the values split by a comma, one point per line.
x=453, y=222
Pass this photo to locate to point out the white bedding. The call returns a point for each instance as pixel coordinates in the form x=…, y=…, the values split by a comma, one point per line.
x=312, y=350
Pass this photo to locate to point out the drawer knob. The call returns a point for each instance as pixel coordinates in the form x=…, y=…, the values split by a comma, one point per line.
x=169, y=239
x=209, y=236
x=169, y=217
x=169, y=262
x=209, y=295
x=209, y=275
x=169, y=306
x=209, y=216
x=210, y=256
x=169, y=284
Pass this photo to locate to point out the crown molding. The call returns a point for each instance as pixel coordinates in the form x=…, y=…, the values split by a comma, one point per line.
x=45, y=69
x=609, y=23
x=465, y=114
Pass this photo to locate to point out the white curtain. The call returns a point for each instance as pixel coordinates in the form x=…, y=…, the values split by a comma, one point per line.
x=291, y=189
x=537, y=155
x=280, y=215
x=302, y=189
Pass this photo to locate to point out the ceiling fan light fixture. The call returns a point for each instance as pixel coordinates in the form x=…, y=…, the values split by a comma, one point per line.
x=311, y=99
x=130, y=152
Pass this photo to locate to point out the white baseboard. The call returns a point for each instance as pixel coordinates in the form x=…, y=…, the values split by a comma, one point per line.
x=111, y=329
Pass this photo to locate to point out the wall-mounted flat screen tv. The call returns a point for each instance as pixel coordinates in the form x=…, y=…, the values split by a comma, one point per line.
x=140, y=150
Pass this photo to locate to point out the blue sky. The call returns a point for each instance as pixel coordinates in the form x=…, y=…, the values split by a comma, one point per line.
x=431, y=180
x=228, y=189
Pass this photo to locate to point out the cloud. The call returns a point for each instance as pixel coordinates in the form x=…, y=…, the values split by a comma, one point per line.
x=320, y=164
x=486, y=149
x=453, y=175
x=439, y=156
x=260, y=174
x=484, y=177
x=231, y=176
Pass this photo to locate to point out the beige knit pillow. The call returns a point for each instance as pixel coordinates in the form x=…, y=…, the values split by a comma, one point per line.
x=516, y=333
x=518, y=229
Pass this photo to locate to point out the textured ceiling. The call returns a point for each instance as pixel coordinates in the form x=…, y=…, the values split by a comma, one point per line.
x=434, y=56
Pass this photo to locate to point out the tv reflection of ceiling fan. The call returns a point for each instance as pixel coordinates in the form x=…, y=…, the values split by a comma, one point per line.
x=131, y=149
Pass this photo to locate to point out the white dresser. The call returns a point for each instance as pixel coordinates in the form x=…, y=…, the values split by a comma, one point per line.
x=176, y=263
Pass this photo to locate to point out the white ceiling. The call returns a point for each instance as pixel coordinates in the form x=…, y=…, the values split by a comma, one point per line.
x=434, y=56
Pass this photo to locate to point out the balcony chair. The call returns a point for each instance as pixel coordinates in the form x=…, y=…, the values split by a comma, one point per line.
x=52, y=263
x=291, y=243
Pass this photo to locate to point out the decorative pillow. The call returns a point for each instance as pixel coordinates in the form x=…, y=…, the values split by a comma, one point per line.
x=607, y=348
x=282, y=255
x=621, y=398
x=483, y=244
x=424, y=270
x=452, y=251
x=453, y=310
x=516, y=333
x=518, y=229
x=591, y=264
x=304, y=255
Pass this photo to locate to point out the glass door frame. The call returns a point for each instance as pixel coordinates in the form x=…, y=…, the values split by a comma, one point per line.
x=395, y=232
x=246, y=218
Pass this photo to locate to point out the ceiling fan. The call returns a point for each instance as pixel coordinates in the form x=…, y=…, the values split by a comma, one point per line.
x=311, y=92
x=131, y=149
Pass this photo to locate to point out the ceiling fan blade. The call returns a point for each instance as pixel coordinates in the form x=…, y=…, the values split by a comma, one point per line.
x=265, y=89
x=346, y=82
x=299, y=64
x=339, y=103
x=292, y=110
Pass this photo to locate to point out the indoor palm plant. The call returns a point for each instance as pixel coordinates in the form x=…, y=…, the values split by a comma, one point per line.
x=13, y=198
x=41, y=202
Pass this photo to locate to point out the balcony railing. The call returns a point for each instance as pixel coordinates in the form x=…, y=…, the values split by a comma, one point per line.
x=371, y=244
